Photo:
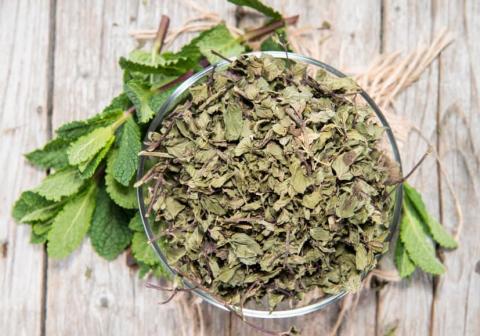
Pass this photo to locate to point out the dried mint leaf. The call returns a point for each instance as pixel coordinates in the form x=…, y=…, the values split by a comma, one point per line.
x=271, y=177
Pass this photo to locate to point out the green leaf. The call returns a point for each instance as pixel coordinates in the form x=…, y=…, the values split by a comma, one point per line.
x=169, y=64
x=135, y=223
x=52, y=155
x=88, y=168
x=404, y=264
x=42, y=214
x=38, y=239
x=158, y=98
x=109, y=232
x=439, y=234
x=75, y=129
x=71, y=224
x=88, y=145
x=142, y=250
x=416, y=241
x=27, y=202
x=62, y=183
x=123, y=196
x=140, y=95
x=259, y=6
x=219, y=39
x=125, y=164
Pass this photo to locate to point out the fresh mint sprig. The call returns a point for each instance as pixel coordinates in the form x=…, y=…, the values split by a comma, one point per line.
x=92, y=162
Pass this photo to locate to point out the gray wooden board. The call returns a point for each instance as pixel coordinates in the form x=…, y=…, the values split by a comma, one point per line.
x=24, y=67
x=406, y=26
x=85, y=295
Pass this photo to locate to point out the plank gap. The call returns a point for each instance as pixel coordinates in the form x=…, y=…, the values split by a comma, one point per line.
x=49, y=106
x=382, y=26
x=439, y=188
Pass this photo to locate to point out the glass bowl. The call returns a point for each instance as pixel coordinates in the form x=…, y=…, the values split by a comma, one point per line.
x=177, y=97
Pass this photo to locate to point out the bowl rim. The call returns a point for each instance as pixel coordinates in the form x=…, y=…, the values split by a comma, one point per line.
x=155, y=123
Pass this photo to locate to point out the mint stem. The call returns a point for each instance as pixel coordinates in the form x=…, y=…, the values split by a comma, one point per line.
x=160, y=37
x=269, y=28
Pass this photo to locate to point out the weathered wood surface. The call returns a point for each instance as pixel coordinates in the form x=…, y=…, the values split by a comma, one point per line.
x=24, y=86
x=61, y=56
x=406, y=25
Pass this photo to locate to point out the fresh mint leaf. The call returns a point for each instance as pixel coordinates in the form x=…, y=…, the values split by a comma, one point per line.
x=87, y=146
x=158, y=98
x=42, y=214
x=259, y=6
x=75, y=129
x=88, y=168
x=123, y=196
x=439, y=234
x=42, y=228
x=416, y=241
x=125, y=164
x=71, y=224
x=140, y=95
x=219, y=39
x=141, y=61
x=62, y=183
x=109, y=232
x=142, y=250
x=52, y=155
x=28, y=202
x=135, y=223
x=404, y=265
x=38, y=239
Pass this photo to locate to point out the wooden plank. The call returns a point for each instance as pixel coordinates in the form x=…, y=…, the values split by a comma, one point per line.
x=354, y=41
x=24, y=32
x=408, y=24
x=456, y=300
x=86, y=294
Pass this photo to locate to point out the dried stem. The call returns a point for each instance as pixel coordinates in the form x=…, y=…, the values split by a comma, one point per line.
x=216, y=53
x=406, y=177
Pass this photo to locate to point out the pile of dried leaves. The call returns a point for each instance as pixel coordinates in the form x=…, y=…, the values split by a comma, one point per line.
x=270, y=183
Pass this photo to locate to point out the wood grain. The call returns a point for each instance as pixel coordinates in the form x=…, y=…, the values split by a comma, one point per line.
x=457, y=296
x=24, y=41
x=107, y=297
x=407, y=25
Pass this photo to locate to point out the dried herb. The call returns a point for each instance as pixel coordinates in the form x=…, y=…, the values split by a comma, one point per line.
x=272, y=183
x=92, y=163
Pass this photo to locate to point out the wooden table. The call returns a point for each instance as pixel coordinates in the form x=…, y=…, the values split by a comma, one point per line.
x=58, y=62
